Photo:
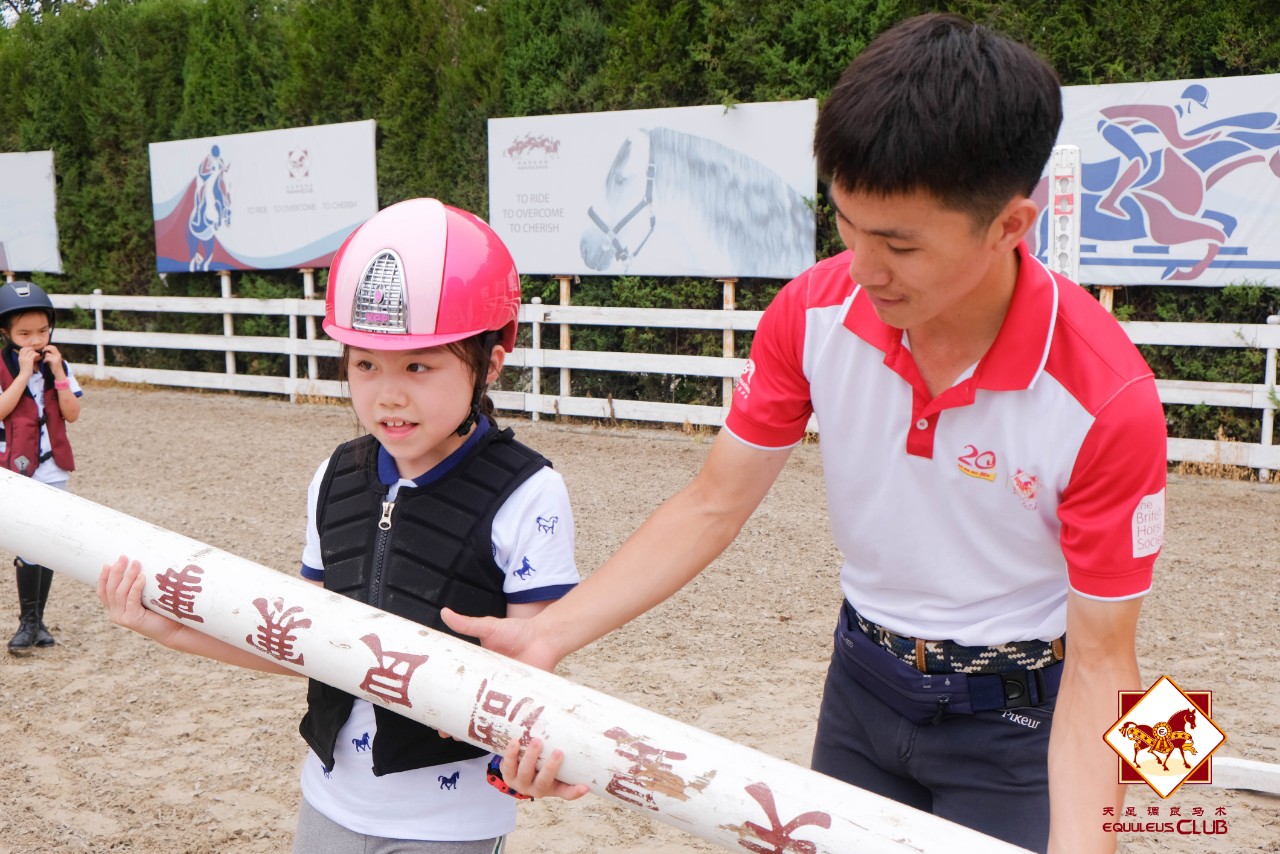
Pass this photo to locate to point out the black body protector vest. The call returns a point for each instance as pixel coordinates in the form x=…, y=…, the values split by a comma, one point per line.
x=436, y=550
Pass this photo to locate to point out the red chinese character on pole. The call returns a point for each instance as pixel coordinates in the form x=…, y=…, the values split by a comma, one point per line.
x=495, y=709
x=777, y=834
x=275, y=636
x=649, y=770
x=389, y=679
x=178, y=592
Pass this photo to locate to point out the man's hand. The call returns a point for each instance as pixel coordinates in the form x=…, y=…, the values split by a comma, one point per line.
x=513, y=637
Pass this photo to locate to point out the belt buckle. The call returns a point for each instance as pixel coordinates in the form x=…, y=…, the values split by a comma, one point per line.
x=1017, y=687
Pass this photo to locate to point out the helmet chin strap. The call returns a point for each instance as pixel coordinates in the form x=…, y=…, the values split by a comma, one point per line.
x=473, y=417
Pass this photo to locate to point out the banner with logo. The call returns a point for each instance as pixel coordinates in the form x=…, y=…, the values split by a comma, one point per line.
x=686, y=191
x=28, y=221
x=262, y=201
x=1180, y=182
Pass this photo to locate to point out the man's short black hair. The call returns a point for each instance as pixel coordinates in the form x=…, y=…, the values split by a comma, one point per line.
x=940, y=104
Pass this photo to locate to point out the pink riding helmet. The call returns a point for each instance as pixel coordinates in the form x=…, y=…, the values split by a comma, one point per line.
x=420, y=274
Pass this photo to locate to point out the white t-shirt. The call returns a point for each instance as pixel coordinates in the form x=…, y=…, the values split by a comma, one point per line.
x=533, y=540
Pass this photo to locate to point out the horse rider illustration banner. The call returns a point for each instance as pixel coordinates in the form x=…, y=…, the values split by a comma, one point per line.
x=28, y=222
x=271, y=200
x=685, y=191
x=1180, y=183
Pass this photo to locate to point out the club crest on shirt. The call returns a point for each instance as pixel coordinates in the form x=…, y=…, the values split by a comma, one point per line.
x=979, y=464
x=1025, y=486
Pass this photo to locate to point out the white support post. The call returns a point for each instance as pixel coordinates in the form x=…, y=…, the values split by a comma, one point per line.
x=100, y=351
x=730, y=303
x=1269, y=405
x=8, y=275
x=725, y=792
x=535, y=348
x=1064, y=211
x=565, y=298
x=293, y=359
x=309, y=293
x=228, y=326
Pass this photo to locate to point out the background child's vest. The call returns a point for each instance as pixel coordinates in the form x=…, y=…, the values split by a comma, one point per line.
x=22, y=426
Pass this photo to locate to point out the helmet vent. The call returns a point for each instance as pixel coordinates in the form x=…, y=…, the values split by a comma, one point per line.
x=379, y=304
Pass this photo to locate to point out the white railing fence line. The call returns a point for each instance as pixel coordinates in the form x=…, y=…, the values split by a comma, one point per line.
x=309, y=346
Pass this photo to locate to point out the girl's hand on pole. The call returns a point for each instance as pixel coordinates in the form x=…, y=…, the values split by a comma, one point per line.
x=520, y=771
x=120, y=589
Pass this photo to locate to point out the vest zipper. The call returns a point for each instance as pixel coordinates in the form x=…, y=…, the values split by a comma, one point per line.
x=380, y=553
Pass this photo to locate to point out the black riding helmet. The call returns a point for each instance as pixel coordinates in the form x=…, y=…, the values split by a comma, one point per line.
x=22, y=296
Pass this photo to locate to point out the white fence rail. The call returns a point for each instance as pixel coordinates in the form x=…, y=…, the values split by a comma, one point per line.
x=303, y=350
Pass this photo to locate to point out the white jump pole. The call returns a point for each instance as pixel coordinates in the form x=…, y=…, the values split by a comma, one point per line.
x=701, y=783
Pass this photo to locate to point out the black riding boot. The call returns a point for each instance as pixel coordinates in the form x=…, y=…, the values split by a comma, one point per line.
x=28, y=580
x=43, y=638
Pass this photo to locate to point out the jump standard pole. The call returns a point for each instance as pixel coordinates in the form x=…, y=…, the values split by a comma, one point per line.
x=707, y=785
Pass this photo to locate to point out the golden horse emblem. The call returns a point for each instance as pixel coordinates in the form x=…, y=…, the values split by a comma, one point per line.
x=1163, y=738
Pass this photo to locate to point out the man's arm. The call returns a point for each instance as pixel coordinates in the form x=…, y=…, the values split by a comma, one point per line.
x=1101, y=661
x=675, y=543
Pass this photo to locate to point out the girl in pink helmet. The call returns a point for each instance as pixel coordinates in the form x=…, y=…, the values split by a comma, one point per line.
x=433, y=507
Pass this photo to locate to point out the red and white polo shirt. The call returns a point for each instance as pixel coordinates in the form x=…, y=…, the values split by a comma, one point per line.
x=966, y=516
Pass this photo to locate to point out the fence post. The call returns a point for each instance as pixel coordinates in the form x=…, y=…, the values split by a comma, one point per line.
x=293, y=359
x=535, y=381
x=564, y=333
x=1269, y=405
x=99, y=370
x=730, y=303
x=228, y=326
x=8, y=275
x=309, y=293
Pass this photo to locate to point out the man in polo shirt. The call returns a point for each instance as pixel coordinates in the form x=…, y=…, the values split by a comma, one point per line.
x=994, y=454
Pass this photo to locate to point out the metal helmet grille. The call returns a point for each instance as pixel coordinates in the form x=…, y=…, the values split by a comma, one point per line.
x=380, y=303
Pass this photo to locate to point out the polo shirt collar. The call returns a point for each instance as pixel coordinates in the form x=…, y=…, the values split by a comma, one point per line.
x=1017, y=356
x=389, y=475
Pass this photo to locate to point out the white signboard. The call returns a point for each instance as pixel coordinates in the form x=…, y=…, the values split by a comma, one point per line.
x=262, y=201
x=686, y=191
x=28, y=225
x=1180, y=181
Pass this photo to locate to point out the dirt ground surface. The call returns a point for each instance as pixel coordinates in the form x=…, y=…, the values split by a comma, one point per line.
x=111, y=743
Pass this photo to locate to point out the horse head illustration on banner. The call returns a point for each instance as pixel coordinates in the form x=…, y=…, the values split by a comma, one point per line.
x=699, y=206
x=1156, y=190
x=210, y=210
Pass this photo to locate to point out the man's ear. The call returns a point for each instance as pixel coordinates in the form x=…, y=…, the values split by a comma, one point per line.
x=1013, y=222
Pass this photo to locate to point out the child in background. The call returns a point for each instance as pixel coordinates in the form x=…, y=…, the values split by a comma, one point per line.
x=39, y=398
x=447, y=507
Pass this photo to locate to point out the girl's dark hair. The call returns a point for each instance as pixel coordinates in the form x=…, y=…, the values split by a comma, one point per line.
x=940, y=104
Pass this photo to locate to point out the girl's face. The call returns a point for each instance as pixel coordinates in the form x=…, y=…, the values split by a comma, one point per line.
x=29, y=329
x=412, y=401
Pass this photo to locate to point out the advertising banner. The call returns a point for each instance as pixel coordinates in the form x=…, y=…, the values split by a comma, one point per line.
x=685, y=191
x=1180, y=181
x=270, y=200
x=28, y=224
